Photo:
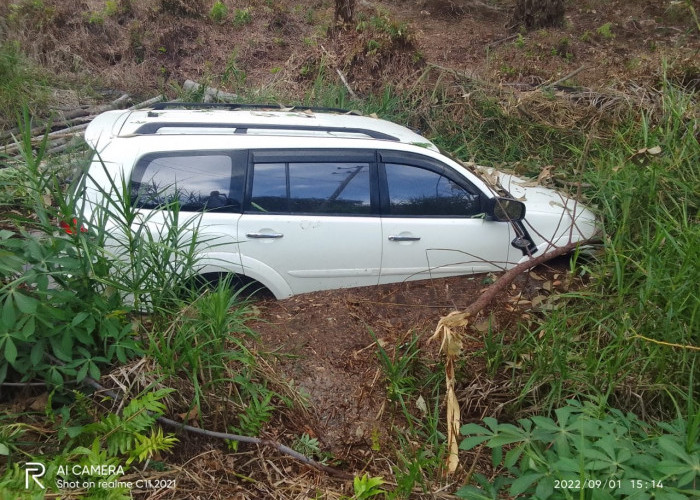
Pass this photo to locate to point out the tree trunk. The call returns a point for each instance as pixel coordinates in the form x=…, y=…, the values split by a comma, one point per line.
x=535, y=14
x=344, y=11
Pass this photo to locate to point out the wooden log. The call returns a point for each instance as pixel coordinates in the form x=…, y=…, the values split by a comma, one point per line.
x=210, y=94
x=147, y=103
x=70, y=117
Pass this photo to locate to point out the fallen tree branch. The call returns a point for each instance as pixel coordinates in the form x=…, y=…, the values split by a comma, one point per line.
x=449, y=333
x=147, y=103
x=507, y=278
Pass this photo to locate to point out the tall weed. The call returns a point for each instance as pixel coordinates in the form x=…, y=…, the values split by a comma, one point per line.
x=20, y=84
x=631, y=336
x=54, y=302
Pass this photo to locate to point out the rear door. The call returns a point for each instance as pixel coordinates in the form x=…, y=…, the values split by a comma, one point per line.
x=311, y=220
x=208, y=189
x=433, y=223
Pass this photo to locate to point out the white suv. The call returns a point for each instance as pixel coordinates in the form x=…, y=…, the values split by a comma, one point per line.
x=313, y=199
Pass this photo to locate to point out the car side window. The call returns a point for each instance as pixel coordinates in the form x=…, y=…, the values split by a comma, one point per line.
x=270, y=192
x=198, y=182
x=333, y=188
x=415, y=191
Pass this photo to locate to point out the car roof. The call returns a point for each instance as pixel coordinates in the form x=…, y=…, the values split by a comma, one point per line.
x=193, y=119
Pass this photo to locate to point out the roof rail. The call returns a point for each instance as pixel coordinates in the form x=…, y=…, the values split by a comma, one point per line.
x=242, y=128
x=241, y=106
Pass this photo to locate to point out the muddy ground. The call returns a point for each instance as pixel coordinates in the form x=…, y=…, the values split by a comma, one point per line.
x=330, y=337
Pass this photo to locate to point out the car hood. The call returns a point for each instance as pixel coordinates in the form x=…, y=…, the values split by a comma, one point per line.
x=552, y=217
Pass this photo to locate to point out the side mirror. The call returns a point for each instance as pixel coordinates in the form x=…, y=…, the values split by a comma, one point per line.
x=506, y=210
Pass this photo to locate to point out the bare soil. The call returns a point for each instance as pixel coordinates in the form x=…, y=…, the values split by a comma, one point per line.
x=329, y=338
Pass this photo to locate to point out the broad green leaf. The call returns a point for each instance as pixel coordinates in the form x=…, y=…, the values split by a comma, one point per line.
x=4, y=450
x=501, y=440
x=545, y=423
x=74, y=431
x=83, y=336
x=10, y=350
x=566, y=464
x=82, y=373
x=545, y=488
x=37, y=352
x=670, y=467
x=472, y=441
x=601, y=494
x=667, y=443
x=524, y=482
x=608, y=445
x=8, y=312
x=29, y=328
x=67, y=345
x=54, y=377
x=592, y=453
x=79, y=318
x=667, y=494
x=25, y=303
x=687, y=478
x=496, y=456
x=599, y=465
x=491, y=423
x=472, y=493
x=473, y=429
x=94, y=371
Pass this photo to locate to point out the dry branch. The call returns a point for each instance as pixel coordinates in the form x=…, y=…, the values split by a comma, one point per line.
x=147, y=103
x=345, y=82
x=564, y=78
x=507, y=278
x=449, y=333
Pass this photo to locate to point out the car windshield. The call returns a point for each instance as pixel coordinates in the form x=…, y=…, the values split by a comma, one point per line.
x=476, y=170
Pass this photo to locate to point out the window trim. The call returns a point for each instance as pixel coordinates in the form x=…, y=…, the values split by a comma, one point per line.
x=426, y=163
x=236, y=157
x=287, y=156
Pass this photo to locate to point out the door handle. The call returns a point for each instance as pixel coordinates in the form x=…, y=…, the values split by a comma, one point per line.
x=258, y=236
x=404, y=238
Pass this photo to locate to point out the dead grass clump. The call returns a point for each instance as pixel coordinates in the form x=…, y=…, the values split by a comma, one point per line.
x=189, y=8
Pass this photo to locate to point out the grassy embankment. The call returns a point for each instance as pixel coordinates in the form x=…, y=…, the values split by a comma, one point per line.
x=627, y=341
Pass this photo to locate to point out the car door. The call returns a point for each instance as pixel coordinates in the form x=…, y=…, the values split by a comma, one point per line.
x=311, y=220
x=433, y=222
x=207, y=186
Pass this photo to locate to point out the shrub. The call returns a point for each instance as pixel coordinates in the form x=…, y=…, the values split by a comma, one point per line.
x=218, y=11
x=242, y=17
x=607, y=454
x=52, y=295
x=190, y=8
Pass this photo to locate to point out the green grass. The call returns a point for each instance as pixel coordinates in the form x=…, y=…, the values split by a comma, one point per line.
x=21, y=85
x=630, y=337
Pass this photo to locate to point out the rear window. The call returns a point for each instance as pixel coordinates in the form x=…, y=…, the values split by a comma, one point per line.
x=196, y=181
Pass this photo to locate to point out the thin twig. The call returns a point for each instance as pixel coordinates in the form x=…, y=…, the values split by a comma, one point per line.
x=497, y=42
x=563, y=79
x=225, y=435
x=345, y=82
